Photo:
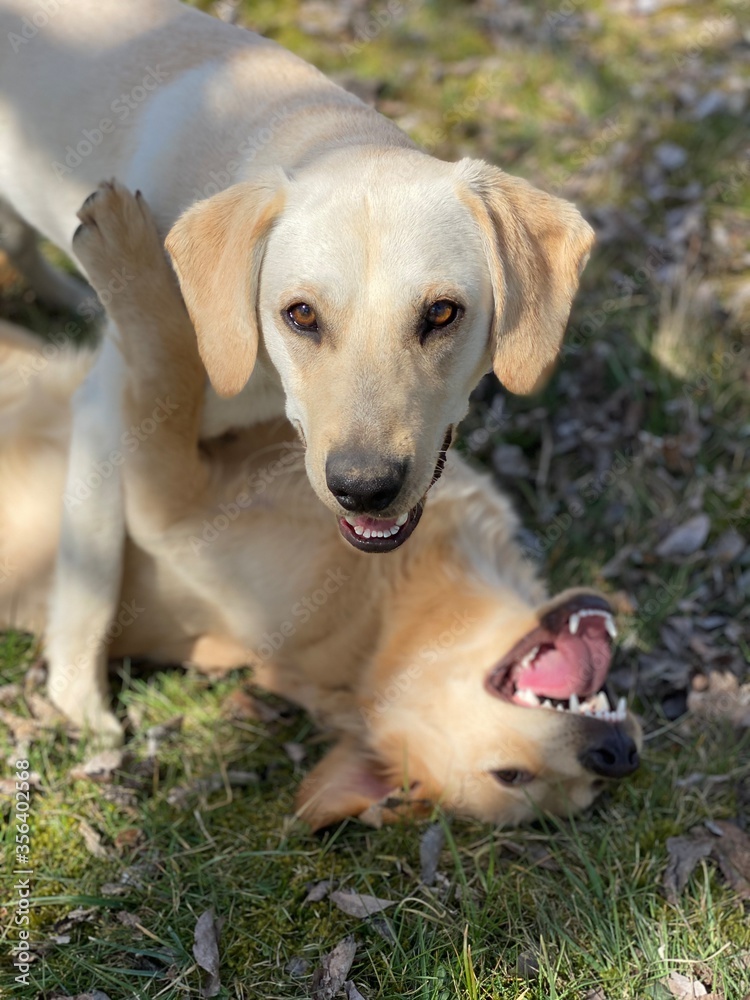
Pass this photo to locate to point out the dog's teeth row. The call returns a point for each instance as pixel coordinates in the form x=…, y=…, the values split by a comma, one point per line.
x=597, y=706
x=575, y=620
x=378, y=532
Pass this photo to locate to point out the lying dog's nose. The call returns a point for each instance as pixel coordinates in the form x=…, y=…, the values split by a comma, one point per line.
x=364, y=483
x=613, y=755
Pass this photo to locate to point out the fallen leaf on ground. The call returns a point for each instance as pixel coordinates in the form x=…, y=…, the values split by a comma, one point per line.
x=319, y=891
x=360, y=905
x=92, y=839
x=44, y=711
x=10, y=693
x=431, y=844
x=333, y=970
x=206, y=951
x=686, y=539
x=720, y=696
x=684, y=987
x=722, y=841
x=295, y=752
x=297, y=966
x=101, y=767
x=352, y=993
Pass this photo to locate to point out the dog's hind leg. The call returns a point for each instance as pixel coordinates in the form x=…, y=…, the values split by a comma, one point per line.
x=56, y=289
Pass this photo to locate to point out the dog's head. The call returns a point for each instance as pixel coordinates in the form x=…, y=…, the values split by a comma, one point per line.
x=499, y=717
x=382, y=286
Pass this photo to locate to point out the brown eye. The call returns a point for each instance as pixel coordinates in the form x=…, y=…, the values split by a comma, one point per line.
x=302, y=317
x=513, y=777
x=440, y=314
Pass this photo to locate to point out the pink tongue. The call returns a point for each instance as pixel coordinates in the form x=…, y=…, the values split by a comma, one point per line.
x=578, y=664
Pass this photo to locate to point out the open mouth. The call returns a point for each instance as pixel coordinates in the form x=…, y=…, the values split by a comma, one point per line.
x=383, y=534
x=563, y=663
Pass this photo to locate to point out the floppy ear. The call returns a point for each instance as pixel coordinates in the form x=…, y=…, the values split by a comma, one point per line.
x=348, y=781
x=345, y=783
x=216, y=248
x=537, y=246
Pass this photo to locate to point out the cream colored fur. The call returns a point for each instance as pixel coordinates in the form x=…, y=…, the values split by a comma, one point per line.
x=232, y=560
x=273, y=184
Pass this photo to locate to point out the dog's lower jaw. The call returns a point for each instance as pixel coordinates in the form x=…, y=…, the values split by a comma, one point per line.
x=367, y=535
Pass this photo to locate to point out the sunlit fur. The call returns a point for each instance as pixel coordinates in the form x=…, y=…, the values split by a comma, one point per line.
x=393, y=660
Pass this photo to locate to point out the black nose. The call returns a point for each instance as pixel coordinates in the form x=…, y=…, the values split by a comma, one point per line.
x=364, y=483
x=613, y=754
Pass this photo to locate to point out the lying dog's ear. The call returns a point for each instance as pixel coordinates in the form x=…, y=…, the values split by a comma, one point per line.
x=347, y=782
x=216, y=248
x=537, y=246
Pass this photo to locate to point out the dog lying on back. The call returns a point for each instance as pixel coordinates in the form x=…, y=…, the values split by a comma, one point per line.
x=443, y=670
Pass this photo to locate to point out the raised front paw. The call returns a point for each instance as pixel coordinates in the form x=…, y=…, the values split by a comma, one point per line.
x=117, y=242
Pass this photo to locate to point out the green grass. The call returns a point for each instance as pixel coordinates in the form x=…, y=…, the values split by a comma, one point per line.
x=577, y=106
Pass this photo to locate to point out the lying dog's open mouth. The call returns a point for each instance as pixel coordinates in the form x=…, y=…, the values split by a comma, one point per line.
x=563, y=663
x=381, y=534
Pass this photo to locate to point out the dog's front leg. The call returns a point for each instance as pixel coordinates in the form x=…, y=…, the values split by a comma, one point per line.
x=88, y=572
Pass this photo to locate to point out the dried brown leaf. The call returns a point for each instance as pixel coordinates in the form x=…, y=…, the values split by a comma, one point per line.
x=92, y=839
x=685, y=539
x=431, y=845
x=333, y=970
x=319, y=891
x=720, y=696
x=352, y=993
x=101, y=767
x=206, y=951
x=724, y=842
x=360, y=905
x=684, y=987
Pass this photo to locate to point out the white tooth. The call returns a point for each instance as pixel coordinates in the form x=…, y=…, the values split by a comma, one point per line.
x=527, y=697
x=349, y=521
x=559, y=708
x=358, y=529
x=609, y=623
x=574, y=704
x=529, y=657
x=378, y=534
x=402, y=520
x=367, y=533
x=547, y=703
x=622, y=708
x=573, y=622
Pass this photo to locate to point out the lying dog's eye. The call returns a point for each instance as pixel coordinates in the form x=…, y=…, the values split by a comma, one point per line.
x=513, y=777
x=440, y=314
x=302, y=317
